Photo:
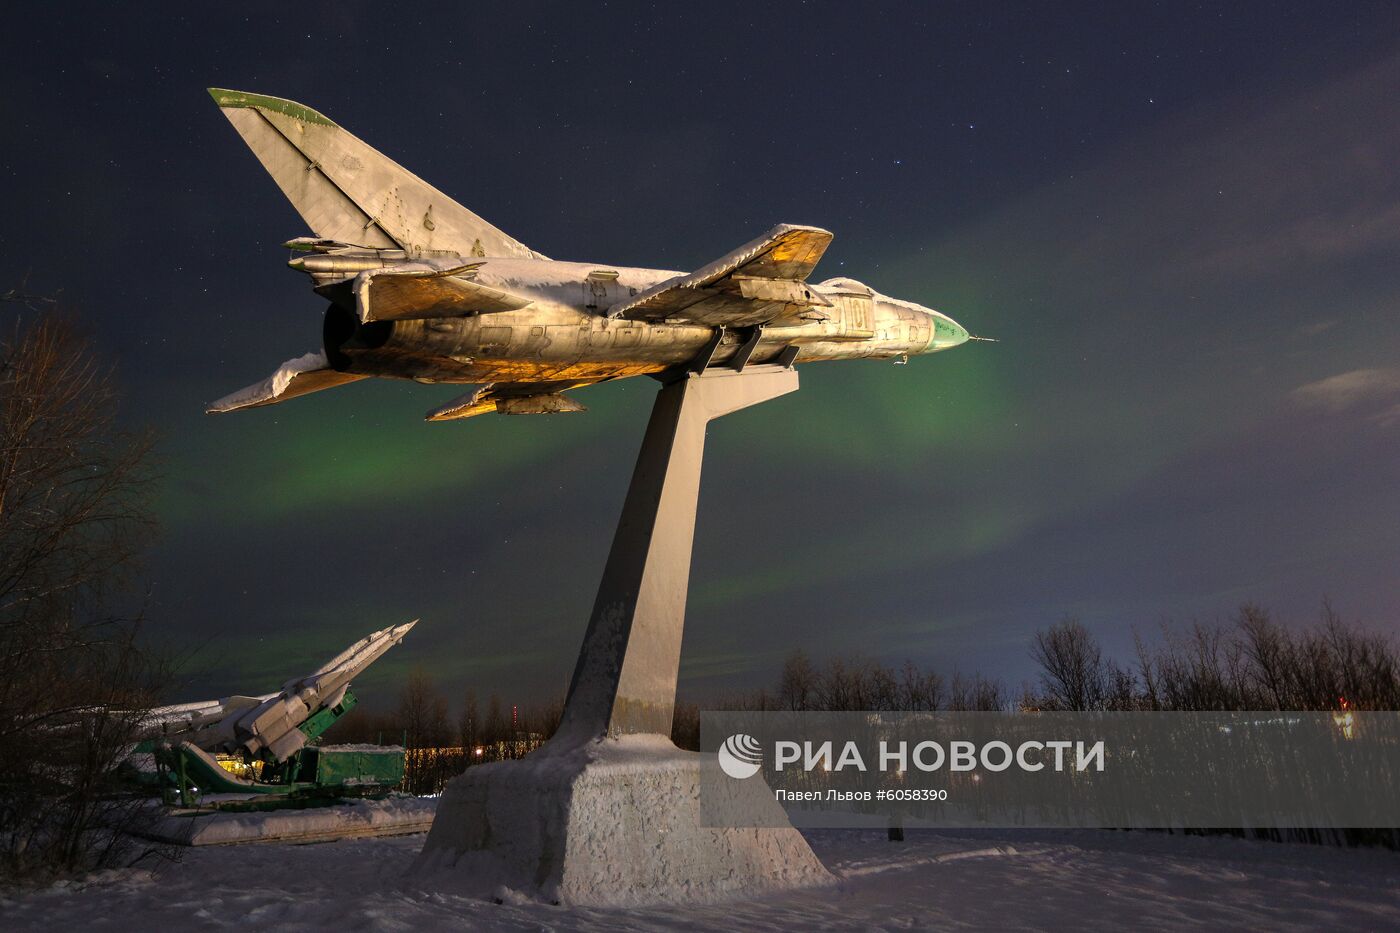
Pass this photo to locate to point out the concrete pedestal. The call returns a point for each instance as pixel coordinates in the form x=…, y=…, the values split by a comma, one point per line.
x=614, y=822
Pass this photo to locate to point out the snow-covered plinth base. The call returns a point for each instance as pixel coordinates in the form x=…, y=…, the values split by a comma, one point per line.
x=607, y=823
x=349, y=819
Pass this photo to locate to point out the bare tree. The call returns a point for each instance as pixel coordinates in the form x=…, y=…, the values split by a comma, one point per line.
x=541, y=720
x=976, y=693
x=422, y=713
x=798, y=684
x=920, y=690
x=1073, y=673
x=422, y=720
x=1122, y=695
x=496, y=728
x=1269, y=651
x=1254, y=664
x=1147, y=672
x=882, y=688
x=75, y=682
x=469, y=723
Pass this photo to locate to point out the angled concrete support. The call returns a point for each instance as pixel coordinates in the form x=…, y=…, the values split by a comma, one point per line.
x=608, y=811
x=625, y=679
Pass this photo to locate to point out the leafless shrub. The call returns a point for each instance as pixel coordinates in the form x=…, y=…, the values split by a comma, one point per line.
x=75, y=682
x=1254, y=663
x=975, y=693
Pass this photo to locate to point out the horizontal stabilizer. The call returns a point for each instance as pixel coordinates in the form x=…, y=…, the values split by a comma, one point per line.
x=761, y=282
x=301, y=376
x=513, y=398
x=417, y=291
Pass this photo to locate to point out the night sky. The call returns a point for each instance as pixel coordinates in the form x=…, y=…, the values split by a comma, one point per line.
x=1181, y=221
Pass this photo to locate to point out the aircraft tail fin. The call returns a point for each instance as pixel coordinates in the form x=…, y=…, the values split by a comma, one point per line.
x=347, y=191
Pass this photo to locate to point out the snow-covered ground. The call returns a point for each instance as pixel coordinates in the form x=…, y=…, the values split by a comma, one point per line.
x=993, y=881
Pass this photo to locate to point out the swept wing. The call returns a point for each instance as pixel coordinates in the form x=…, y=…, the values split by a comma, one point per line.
x=762, y=282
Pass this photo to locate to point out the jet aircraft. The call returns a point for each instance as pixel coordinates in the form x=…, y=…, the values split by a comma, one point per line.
x=422, y=288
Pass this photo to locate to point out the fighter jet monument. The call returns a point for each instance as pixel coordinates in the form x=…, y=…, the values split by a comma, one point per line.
x=419, y=287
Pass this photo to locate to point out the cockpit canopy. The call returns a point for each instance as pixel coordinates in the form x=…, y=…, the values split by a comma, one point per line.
x=847, y=285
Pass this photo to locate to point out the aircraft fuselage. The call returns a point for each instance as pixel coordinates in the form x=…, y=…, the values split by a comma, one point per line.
x=565, y=332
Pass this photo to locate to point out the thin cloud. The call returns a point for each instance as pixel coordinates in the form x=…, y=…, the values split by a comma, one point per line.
x=1350, y=389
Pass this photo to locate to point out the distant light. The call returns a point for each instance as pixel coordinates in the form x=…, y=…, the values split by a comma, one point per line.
x=1343, y=718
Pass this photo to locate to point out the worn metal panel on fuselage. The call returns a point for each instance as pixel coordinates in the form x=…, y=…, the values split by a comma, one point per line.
x=565, y=333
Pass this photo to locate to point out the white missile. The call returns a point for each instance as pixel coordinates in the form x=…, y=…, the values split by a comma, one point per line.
x=271, y=723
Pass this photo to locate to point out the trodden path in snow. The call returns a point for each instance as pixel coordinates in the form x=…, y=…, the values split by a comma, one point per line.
x=971, y=881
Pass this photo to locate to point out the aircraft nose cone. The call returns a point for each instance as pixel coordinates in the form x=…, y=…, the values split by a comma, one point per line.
x=947, y=333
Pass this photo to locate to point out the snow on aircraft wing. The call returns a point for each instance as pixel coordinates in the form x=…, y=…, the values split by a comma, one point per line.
x=762, y=282
x=421, y=290
x=301, y=376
